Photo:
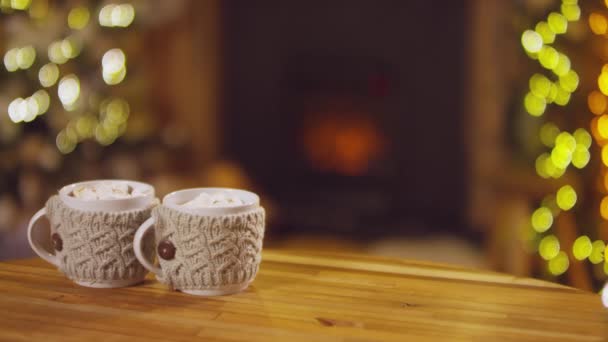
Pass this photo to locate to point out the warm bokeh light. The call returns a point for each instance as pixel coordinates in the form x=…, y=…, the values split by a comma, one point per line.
x=582, y=138
x=572, y=12
x=605, y=157
x=562, y=97
x=10, y=60
x=531, y=41
x=20, y=4
x=26, y=57
x=113, y=66
x=548, y=247
x=548, y=57
x=542, y=219
x=598, y=23
x=569, y=81
x=597, y=252
x=561, y=156
x=534, y=105
x=113, y=15
x=557, y=23
x=78, y=18
x=540, y=85
x=566, y=197
x=548, y=134
x=604, y=208
x=597, y=102
x=581, y=249
x=563, y=66
x=580, y=157
x=68, y=90
x=48, y=75
x=55, y=53
x=559, y=264
x=543, y=29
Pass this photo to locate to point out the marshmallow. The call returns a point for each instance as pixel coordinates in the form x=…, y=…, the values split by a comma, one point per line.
x=103, y=191
x=219, y=199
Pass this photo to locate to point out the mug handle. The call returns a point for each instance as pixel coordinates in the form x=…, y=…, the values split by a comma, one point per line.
x=36, y=247
x=137, y=246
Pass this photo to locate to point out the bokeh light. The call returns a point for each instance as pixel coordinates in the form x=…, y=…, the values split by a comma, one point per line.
x=68, y=90
x=581, y=249
x=562, y=97
x=542, y=219
x=48, y=75
x=597, y=252
x=78, y=18
x=563, y=65
x=548, y=247
x=580, y=157
x=20, y=4
x=597, y=102
x=543, y=29
x=540, y=85
x=548, y=134
x=534, y=105
x=26, y=57
x=582, y=138
x=113, y=15
x=548, y=57
x=598, y=23
x=557, y=22
x=113, y=65
x=605, y=156
x=55, y=53
x=559, y=264
x=10, y=60
x=569, y=81
x=572, y=12
x=566, y=197
x=604, y=208
x=531, y=41
x=561, y=156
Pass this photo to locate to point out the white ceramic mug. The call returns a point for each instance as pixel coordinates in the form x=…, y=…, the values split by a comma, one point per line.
x=205, y=251
x=92, y=239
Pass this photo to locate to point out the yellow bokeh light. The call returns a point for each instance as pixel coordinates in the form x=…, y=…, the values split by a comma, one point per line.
x=48, y=75
x=567, y=140
x=55, y=53
x=566, y=197
x=602, y=83
x=582, y=137
x=26, y=57
x=604, y=208
x=602, y=126
x=548, y=133
x=563, y=65
x=598, y=23
x=542, y=219
x=530, y=40
x=571, y=11
x=552, y=93
x=534, y=105
x=10, y=60
x=580, y=157
x=569, y=81
x=540, y=85
x=123, y=15
x=20, y=4
x=70, y=47
x=597, y=252
x=562, y=98
x=581, y=249
x=605, y=157
x=543, y=29
x=43, y=101
x=78, y=18
x=548, y=247
x=561, y=156
x=557, y=22
x=68, y=90
x=541, y=166
x=548, y=57
x=65, y=142
x=559, y=264
x=597, y=102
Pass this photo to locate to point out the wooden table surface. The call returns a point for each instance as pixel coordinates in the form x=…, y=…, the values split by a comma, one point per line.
x=308, y=297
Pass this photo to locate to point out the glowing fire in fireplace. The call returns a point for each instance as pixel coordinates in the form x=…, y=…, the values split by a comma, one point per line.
x=344, y=142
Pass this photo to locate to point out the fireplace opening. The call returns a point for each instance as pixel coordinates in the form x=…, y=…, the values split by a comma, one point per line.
x=348, y=115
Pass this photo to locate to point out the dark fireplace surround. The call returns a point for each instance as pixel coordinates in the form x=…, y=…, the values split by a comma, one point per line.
x=349, y=114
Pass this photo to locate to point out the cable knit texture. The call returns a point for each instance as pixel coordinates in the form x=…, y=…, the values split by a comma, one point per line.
x=98, y=246
x=210, y=251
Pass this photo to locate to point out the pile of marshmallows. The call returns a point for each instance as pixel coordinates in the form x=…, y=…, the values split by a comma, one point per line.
x=116, y=190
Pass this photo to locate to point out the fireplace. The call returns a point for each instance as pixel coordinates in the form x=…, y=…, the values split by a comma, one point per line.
x=349, y=114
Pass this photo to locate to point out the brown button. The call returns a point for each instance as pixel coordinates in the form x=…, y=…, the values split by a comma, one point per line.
x=57, y=242
x=166, y=250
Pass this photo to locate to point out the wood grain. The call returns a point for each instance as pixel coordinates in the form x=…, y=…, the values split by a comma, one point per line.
x=301, y=296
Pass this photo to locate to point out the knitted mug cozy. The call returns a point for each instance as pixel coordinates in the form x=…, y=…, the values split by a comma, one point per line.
x=97, y=246
x=199, y=252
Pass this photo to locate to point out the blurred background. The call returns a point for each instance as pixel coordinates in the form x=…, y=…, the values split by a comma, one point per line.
x=468, y=132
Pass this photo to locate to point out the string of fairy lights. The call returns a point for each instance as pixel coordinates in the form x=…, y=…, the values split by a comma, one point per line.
x=565, y=148
x=104, y=121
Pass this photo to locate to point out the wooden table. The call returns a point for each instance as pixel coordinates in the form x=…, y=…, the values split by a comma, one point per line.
x=308, y=297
